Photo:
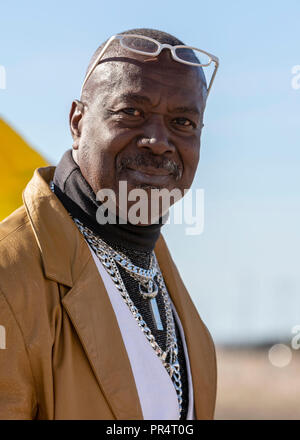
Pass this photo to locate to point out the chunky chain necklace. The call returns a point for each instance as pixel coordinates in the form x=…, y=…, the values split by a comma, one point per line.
x=148, y=288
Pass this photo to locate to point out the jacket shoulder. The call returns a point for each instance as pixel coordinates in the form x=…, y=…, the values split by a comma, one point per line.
x=26, y=289
x=22, y=276
x=18, y=245
x=16, y=220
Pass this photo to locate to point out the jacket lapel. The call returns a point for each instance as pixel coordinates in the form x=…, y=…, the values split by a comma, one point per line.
x=91, y=313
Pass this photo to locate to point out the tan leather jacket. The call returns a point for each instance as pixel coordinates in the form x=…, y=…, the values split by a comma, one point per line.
x=63, y=355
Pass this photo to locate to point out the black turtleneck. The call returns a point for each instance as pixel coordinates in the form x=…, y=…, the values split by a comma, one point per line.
x=78, y=198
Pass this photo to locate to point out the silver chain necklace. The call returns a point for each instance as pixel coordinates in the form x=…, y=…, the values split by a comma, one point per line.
x=109, y=259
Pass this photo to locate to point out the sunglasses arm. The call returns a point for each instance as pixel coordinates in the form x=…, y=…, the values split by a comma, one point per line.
x=216, y=61
x=97, y=60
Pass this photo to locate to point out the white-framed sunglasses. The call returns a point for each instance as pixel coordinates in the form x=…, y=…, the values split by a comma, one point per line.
x=148, y=46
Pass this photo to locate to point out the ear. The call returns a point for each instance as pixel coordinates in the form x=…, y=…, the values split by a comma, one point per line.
x=75, y=120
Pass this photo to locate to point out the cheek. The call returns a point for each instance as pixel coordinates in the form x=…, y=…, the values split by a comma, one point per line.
x=100, y=147
x=190, y=157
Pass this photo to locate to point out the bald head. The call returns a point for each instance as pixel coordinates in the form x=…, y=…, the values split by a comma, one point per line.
x=115, y=53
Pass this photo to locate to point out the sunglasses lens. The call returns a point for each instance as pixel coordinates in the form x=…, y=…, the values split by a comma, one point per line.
x=140, y=44
x=193, y=56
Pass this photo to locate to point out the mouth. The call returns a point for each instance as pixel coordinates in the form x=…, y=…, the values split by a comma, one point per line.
x=151, y=171
x=150, y=175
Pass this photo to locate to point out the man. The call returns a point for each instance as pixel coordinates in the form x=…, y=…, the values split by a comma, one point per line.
x=98, y=323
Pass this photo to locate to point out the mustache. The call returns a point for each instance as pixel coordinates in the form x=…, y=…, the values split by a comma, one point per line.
x=150, y=160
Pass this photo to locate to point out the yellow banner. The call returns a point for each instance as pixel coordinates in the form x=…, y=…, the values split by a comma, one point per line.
x=17, y=163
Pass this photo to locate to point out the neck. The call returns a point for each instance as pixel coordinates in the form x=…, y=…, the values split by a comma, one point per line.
x=80, y=201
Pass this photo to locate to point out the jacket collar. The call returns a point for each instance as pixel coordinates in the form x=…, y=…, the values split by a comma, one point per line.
x=56, y=234
x=65, y=256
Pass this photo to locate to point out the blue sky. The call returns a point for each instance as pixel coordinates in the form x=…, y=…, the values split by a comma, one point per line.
x=243, y=270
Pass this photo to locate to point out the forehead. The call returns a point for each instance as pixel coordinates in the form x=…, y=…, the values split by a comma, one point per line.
x=160, y=77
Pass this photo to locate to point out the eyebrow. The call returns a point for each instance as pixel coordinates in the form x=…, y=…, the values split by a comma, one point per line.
x=185, y=109
x=141, y=99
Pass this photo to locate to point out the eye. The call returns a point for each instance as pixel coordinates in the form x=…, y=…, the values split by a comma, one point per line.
x=184, y=122
x=131, y=111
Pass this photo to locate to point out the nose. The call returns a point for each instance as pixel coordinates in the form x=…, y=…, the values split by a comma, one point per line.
x=156, y=137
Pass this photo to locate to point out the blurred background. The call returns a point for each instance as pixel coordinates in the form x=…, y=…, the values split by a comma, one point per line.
x=242, y=271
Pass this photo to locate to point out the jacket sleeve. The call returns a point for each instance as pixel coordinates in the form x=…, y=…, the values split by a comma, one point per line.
x=17, y=391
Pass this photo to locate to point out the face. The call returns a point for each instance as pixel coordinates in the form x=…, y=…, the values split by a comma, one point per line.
x=141, y=124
